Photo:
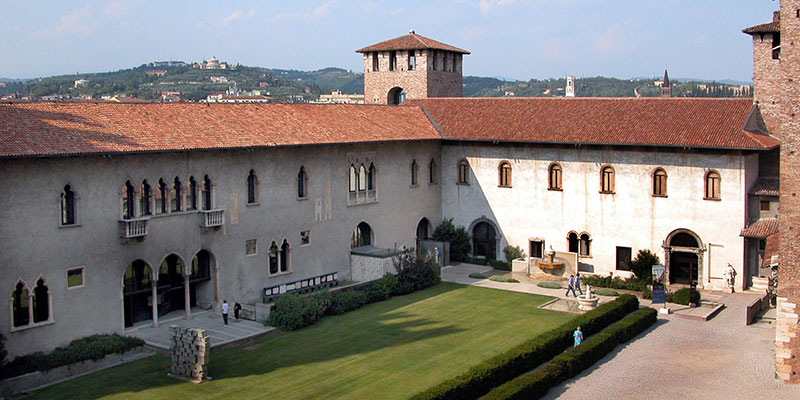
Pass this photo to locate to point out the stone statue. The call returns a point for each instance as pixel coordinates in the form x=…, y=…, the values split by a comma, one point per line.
x=730, y=276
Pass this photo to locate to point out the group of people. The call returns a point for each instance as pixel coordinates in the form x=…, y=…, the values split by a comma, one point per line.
x=574, y=284
x=236, y=308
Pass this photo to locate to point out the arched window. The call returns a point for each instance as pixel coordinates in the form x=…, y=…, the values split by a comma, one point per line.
x=206, y=193
x=161, y=197
x=463, y=172
x=432, y=172
x=659, y=182
x=128, y=201
x=302, y=183
x=67, y=206
x=252, y=187
x=371, y=177
x=146, y=197
x=573, y=245
x=273, y=258
x=607, y=180
x=285, y=259
x=177, y=195
x=414, y=173
x=192, y=193
x=362, y=236
x=20, y=302
x=41, y=302
x=554, y=177
x=712, y=191
x=504, y=171
x=362, y=178
x=585, y=245
x=353, y=179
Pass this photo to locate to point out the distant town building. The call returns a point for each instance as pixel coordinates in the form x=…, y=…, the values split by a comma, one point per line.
x=570, y=90
x=337, y=97
x=228, y=98
x=125, y=99
x=81, y=83
x=218, y=79
x=666, y=88
x=211, y=63
x=263, y=84
x=170, y=97
x=156, y=72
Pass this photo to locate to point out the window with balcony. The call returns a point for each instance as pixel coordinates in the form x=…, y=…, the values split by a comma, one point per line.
x=161, y=197
x=207, y=193
x=177, y=195
x=146, y=193
x=192, y=195
x=128, y=201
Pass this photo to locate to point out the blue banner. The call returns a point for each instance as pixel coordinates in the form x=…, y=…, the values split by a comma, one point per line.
x=658, y=296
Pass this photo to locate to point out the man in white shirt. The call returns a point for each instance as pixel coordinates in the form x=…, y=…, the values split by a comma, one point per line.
x=225, y=311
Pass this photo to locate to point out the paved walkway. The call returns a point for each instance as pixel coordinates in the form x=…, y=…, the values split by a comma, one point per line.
x=210, y=321
x=677, y=358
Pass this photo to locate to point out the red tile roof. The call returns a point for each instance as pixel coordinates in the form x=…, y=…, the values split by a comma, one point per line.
x=769, y=27
x=761, y=229
x=676, y=122
x=46, y=128
x=766, y=187
x=412, y=41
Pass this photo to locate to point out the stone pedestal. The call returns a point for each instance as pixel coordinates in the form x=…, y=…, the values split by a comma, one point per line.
x=190, y=350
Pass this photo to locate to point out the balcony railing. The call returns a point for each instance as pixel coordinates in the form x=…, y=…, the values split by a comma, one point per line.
x=133, y=228
x=212, y=218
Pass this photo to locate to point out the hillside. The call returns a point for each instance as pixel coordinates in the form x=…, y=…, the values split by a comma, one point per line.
x=149, y=81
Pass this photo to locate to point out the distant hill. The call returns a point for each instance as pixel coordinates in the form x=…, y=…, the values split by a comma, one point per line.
x=148, y=81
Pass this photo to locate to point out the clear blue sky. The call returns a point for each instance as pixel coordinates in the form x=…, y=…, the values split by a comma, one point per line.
x=507, y=38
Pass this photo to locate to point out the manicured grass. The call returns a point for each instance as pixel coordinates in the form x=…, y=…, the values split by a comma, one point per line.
x=388, y=350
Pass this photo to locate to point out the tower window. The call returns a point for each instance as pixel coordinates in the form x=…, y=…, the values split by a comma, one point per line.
x=392, y=61
x=412, y=60
x=776, y=45
x=375, y=61
x=433, y=59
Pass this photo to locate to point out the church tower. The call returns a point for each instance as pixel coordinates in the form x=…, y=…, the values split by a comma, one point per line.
x=666, y=88
x=569, y=90
x=411, y=67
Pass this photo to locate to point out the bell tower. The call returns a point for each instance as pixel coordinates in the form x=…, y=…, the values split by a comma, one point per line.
x=411, y=67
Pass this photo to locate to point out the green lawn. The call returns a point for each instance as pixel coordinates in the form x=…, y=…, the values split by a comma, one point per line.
x=387, y=350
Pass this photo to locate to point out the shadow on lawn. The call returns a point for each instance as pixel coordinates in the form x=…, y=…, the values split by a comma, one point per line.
x=330, y=339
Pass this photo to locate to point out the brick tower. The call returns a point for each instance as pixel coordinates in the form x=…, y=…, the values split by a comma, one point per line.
x=411, y=67
x=776, y=68
x=666, y=87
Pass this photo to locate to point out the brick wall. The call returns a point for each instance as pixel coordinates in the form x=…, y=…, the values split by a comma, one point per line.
x=421, y=83
x=766, y=81
x=788, y=330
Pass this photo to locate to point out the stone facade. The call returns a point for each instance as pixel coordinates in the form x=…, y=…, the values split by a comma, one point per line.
x=767, y=79
x=788, y=332
x=190, y=349
x=425, y=80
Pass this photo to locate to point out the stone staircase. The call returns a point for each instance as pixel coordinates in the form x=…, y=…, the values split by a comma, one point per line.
x=759, y=284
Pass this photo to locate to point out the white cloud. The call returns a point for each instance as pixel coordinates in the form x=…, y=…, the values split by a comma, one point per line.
x=488, y=5
x=321, y=11
x=78, y=22
x=122, y=8
x=614, y=39
x=238, y=14
x=397, y=11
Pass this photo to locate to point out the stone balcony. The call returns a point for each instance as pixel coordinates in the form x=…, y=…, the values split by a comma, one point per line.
x=212, y=218
x=133, y=228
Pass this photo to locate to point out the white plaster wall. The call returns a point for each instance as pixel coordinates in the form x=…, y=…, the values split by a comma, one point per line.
x=631, y=217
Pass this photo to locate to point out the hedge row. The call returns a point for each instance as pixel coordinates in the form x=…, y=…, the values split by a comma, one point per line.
x=536, y=384
x=92, y=347
x=504, y=367
x=293, y=311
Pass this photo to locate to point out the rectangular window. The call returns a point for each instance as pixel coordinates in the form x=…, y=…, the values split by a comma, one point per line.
x=392, y=61
x=764, y=205
x=250, y=247
x=412, y=60
x=776, y=46
x=74, y=277
x=433, y=59
x=536, y=248
x=305, y=238
x=375, y=61
x=623, y=258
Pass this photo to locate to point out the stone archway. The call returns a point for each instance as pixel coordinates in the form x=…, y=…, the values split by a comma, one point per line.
x=137, y=293
x=396, y=96
x=485, y=239
x=683, y=257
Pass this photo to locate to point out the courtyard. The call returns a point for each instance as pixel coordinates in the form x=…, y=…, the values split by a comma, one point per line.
x=387, y=350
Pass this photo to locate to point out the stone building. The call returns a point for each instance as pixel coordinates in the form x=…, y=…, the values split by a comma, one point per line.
x=120, y=214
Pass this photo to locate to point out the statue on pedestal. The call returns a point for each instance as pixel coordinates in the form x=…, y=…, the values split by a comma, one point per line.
x=730, y=277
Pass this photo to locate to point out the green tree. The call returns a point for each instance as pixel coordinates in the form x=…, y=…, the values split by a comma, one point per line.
x=642, y=265
x=456, y=236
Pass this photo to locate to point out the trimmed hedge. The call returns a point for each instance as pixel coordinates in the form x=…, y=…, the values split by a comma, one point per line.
x=346, y=300
x=522, y=358
x=294, y=311
x=682, y=297
x=501, y=265
x=570, y=363
x=550, y=285
x=615, y=282
x=504, y=279
x=606, y=292
x=92, y=347
x=380, y=289
x=477, y=275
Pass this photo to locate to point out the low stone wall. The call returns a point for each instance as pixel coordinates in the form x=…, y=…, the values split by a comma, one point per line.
x=755, y=307
x=367, y=268
x=191, y=348
x=40, y=379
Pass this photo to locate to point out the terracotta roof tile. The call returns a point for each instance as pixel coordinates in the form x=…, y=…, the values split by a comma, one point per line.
x=412, y=41
x=761, y=229
x=46, y=128
x=769, y=27
x=681, y=122
x=766, y=187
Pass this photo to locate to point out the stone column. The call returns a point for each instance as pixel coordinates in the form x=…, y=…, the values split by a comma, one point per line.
x=187, y=298
x=154, y=290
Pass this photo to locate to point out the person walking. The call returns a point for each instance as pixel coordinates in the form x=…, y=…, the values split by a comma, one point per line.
x=578, y=283
x=578, y=335
x=571, y=286
x=225, y=311
x=236, y=308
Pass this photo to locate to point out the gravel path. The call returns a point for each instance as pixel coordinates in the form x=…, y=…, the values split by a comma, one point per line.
x=683, y=359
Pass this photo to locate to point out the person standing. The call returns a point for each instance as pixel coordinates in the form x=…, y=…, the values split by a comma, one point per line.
x=236, y=308
x=225, y=311
x=578, y=335
x=578, y=283
x=571, y=286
